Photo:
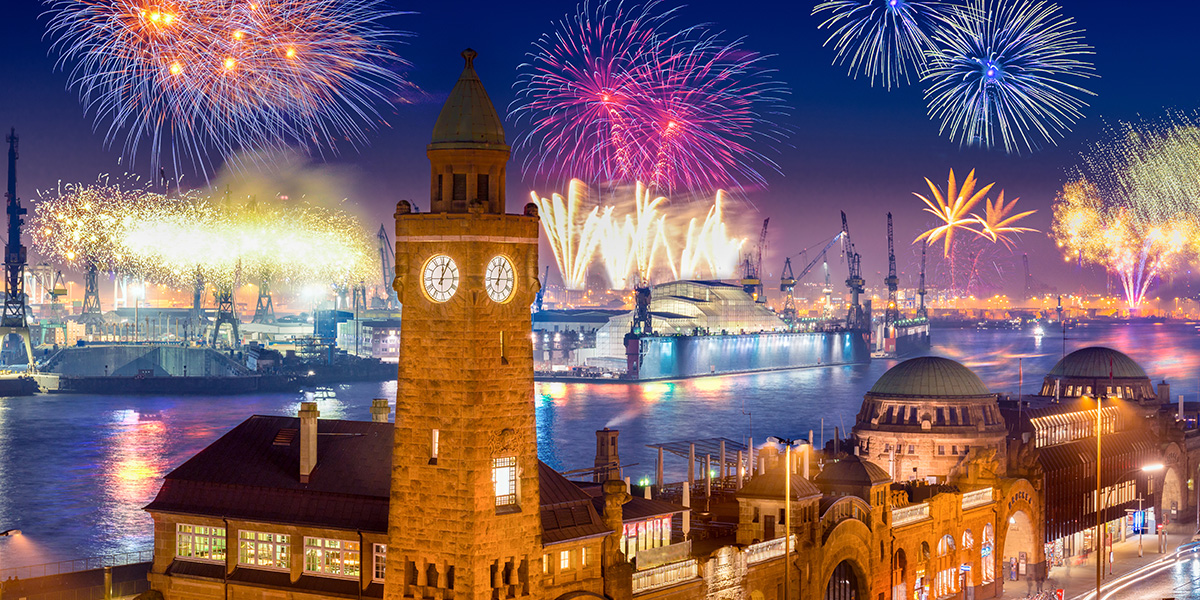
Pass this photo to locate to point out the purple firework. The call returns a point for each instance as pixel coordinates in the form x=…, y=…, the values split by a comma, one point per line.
x=614, y=94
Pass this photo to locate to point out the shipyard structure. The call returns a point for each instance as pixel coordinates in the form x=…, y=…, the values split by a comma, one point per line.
x=938, y=492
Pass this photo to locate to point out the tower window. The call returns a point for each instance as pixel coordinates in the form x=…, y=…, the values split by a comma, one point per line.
x=504, y=479
x=433, y=448
x=481, y=188
x=941, y=450
x=459, y=191
x=438, y=192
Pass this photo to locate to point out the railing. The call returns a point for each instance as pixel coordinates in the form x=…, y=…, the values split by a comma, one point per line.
x=977, y=498
x=910, y=514
x=665, y=576
x=79, y=564
x=756, y=553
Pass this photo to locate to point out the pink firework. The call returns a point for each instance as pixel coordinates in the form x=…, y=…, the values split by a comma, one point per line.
x=614, y=94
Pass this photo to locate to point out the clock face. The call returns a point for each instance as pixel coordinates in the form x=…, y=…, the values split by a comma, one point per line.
x=440, y=278
x=500, y=279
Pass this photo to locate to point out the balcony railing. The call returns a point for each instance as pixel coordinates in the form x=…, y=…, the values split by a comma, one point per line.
x=756, y=553
x=665, y=576
x=910, y=514
x=977, y=498
x=80, y=564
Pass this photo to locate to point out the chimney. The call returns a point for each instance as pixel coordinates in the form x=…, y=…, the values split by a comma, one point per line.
x=380, y=411
x=308, y=439
x=1164, y=393
x=608, y=463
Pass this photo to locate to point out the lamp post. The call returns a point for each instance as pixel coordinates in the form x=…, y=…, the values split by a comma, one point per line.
x=1149, y=468
x=787, y=514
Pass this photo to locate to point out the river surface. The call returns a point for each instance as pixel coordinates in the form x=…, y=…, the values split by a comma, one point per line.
x=76, y=470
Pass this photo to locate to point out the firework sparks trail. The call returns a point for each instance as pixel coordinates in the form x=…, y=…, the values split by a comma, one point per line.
x=951, y=208
x=883, y=39
x=998, y=224
x=190, y=77
x=168, y=240
x=635, y=242
x=614, y=94
x=1004, y=69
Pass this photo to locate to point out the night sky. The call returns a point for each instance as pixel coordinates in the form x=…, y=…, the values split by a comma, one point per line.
x=854, y=147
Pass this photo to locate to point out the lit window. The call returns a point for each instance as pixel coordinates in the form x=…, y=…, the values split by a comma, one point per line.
x=380, y=565
x=545, y=564
x=564, y=560
x=260, y=549
x=339, y=558
x=583, y=557
x=504, y=478
x=199, y=542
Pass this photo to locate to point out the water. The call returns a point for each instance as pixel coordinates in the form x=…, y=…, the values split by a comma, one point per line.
x=75, y=471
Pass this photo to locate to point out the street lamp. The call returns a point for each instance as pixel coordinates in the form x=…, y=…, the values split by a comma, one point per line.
x=787, y=513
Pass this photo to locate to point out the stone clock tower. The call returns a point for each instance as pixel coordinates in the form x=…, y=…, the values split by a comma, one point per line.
x=464, y=519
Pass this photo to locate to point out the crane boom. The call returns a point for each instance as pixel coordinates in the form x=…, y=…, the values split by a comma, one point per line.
x=385, y=266
x=820, y=255
x=921, y=285
x=892, y=314
x=856, y=284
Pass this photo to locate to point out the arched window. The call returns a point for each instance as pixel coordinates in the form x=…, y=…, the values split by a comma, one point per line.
x=945, y=545
x=987, y=554
x=968, y=540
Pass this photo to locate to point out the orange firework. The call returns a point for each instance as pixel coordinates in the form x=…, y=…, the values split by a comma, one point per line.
x=952, y=209
x=997, y=224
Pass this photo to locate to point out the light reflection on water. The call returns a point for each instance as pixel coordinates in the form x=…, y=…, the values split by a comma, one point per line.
x=75, y=471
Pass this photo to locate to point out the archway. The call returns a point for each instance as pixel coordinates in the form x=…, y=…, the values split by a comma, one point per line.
x=845, y=583
x=1173, y=501
x=899, y=575
x=1019, y=551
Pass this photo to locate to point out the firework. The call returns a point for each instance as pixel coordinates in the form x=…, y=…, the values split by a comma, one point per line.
x=189, y=77
x=951, y=209
x=1132, y=207
x=998, y=224
x=635, y=241
x=880, y=38
x=1005, y=69
x=170, y=240
x=615, y=94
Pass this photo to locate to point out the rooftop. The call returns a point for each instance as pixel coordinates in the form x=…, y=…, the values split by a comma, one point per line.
x=930, y=377
x=1097, y=362
x=468, y=118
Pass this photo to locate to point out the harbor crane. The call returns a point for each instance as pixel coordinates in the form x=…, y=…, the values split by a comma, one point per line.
x=787, y=283
x=752, y=270
x=892, y=314
x=921, y=285
x=855, y=317
x=386, y=269
x=12, y=321
x=541, y=293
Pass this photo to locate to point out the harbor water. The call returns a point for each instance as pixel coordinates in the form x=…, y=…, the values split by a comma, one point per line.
x=76, y=470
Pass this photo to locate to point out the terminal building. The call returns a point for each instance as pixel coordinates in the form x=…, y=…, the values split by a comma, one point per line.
x=451, y=502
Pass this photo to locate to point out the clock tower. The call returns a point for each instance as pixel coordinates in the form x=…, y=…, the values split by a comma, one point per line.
x=464, y=519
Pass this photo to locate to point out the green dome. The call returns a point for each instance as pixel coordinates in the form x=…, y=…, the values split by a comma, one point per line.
x=930, y=377
x=468, y=116
x=1094, y=363
x=852, y=470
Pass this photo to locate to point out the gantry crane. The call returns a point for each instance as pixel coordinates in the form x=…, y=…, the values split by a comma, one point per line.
x=921, y=286
x=787, y=285
x=855, y=317
x=752, y=269
x=787, y=282
x=541, y=293
x=386, y=250
x=892, y=314
x=12, y=321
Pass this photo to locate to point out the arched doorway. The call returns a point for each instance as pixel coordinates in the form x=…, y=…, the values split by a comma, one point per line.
x=1173, y=502
x=1019, y=543
x=899, y=575
x=845, y=583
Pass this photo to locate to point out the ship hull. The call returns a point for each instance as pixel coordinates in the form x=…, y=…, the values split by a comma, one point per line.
x=652, y=358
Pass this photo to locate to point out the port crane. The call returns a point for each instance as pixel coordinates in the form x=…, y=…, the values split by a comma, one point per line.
x=787, y=285
x=387, y=270
x=892, y=314
x=752, y=271
x=855, y=317
x=921, y=286
x=787, y=282
x=12, y=321
x=541, y=293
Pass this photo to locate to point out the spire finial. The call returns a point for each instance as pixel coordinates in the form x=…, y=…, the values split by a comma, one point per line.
x=469, y=56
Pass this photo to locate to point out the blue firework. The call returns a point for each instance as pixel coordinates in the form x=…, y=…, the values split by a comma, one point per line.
x=1007, y=71
x=884, y=39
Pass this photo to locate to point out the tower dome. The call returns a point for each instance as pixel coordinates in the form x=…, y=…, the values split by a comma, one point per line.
x=925, y=415
x=1095, y=371
x=468, y=118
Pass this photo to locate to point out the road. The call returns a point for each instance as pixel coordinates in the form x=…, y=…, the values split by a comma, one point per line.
x=1175, y=576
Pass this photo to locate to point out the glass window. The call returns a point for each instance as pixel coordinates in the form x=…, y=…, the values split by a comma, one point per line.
x=380, y=562
x=200, y=542
x=261, y=549
x=339, y=558
x=564, y=560
x=504, y=478
x=912, y=449
x=941, y=450
x=583, y=557
x=458, y=189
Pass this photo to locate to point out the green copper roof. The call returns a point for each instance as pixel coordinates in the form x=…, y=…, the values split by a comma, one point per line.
x=468, y=116
x=930, y=377
x=852, y=470
x=1094, y=362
